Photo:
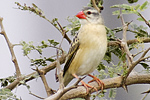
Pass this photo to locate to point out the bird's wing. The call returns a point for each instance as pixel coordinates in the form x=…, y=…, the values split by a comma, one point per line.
x=72, y=52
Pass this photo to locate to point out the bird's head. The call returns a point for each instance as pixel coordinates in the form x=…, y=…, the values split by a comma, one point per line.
x=89, y=15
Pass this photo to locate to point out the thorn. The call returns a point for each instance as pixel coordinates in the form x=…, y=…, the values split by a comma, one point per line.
x=125, y=88
x=146, y=92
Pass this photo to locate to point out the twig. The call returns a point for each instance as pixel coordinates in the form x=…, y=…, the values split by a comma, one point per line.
x=145, y=52
x=131, y=67
x=145, y=96
x=36, y=96
x=95, y=6
x=137, y=53
x=10, y=45
x=40, y=13
x=116, y=43
x=64, y=32
x=144, y=19
x=66, y=37
x=124, y=40
x=49, y=91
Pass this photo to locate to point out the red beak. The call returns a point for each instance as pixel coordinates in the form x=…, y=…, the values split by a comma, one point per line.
x=81, y=15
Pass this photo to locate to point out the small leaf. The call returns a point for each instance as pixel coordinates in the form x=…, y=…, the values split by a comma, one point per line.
x=137, y=7
x=101, y=66
x=112, y=93
x=117, y=12
x=51, y=41
x=140, y=19
x=107, y=57
x=143, y=6
x=132, y=1
x=146, y=66
x=50, y=59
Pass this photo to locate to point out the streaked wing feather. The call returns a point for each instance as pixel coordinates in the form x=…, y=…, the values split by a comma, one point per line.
x=71, y=54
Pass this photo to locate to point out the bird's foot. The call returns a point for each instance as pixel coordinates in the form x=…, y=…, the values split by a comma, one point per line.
x=100, y=83
x=87, y=86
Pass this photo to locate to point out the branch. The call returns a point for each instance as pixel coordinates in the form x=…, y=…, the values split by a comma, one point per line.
x=64, y=33
x=115, y=82
x=116, y=43
x=49, y=91
x=31, y=76
x=145, y=52
x=10, y=45
x=131, y=67
x=124, y=40
x=40, y=13
x=61, y=31
x=144, y=19
x=125, y=49
x=61, y=92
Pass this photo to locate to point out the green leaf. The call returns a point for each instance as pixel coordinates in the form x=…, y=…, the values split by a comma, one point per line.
x=125, y=6
x=123, y=57
x=100, y=67
x=6, y=81
x=73, y=26
x=146, y=66
x=6, y=94
x=112, y=93
x=132, y=1
x=50, y=59
x=117, y=12
x=143, y=6
x=137, y=7
x=140, y=19
x=107, y=57
x=52, y=42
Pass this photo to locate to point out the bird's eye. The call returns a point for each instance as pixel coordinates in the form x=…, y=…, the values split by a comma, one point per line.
x=88, y=12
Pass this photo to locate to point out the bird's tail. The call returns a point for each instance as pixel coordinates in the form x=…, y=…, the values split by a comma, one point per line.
x=67, y=78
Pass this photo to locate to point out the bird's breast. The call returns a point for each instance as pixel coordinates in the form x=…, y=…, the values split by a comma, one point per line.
x=93, y=45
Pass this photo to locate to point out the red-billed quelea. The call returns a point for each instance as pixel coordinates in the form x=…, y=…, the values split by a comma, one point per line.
x=88, y=47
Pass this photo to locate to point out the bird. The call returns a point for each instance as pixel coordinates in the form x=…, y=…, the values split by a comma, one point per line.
x=87, y=49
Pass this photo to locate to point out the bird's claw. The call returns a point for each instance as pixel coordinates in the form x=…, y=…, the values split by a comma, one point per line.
x=100, y=83
x=87, y=86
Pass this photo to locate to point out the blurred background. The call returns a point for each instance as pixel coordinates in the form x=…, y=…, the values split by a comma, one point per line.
x=26, y=26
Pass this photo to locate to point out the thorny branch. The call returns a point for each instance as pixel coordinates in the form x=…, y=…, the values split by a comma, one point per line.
x=124, y=40
x=116, y=82
x=125, y=49
x=61, y=92
x=124, y=45
x=142, y=58
x=10, y=45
